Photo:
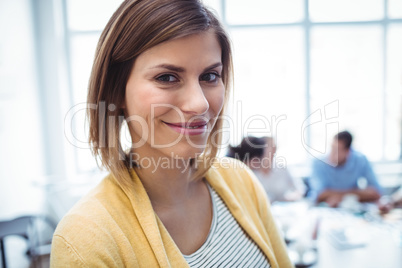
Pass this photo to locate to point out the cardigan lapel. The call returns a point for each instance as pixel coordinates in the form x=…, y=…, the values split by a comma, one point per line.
x=216, y=180
x=164, y=248
x=145, y=214
x=173, y=253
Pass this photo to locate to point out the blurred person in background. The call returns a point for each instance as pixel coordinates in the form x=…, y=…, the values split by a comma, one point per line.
x=339, y=173
x=258, y=153
x=389, y=202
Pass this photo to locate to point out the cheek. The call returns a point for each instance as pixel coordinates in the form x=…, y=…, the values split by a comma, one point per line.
x=146, y=102
x=216, y=99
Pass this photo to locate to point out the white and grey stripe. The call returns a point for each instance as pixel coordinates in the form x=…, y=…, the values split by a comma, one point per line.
x=227, y=244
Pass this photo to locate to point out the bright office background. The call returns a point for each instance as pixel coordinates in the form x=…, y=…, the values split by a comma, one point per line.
x=304, y=69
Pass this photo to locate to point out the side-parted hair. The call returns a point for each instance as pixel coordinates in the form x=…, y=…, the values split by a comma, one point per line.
x=249, y=148
x=345, y=137
x=136, y=26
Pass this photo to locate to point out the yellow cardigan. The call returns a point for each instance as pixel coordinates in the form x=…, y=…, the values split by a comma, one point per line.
x=115, y=226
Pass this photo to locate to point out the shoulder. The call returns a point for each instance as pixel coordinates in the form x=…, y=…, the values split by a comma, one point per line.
x=90, y=226
x=228, y=164
x=228, y=175
x=320, y=163
x=358, y=155
x=232, y=171
x=357, y=159
x=99, y=200
x=95, y=207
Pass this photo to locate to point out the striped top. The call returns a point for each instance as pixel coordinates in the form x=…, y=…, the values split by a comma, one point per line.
x=227, y=245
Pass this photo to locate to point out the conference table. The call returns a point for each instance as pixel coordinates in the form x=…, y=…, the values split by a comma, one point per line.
x=323, y=237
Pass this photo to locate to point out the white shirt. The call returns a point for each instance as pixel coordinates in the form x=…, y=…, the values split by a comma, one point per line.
x=277, y=183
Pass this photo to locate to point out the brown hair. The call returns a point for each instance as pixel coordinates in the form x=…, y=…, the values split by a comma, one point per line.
x=249, y=148
x=346, y=137
x=138, y=25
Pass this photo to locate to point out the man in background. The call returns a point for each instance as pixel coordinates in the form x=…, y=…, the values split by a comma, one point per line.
x=340, y=174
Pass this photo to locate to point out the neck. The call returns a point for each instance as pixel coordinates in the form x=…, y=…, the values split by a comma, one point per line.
x=167, y=180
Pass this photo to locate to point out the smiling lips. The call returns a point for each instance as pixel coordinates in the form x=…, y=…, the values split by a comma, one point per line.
x=189, y=128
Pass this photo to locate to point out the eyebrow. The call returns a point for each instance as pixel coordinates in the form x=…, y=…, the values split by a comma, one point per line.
x=181, y=70
x=218, y=64
x=169, y=67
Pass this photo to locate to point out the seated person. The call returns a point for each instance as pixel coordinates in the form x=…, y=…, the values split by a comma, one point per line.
x=389, y=202
x=258, y=154
x=338, y=174
x=396, y=198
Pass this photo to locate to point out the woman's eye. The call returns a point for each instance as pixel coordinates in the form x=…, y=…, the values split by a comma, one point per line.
x=167, y=78
x=210, y=77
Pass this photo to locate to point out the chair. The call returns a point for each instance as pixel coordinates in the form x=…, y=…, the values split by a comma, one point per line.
x=36, y=229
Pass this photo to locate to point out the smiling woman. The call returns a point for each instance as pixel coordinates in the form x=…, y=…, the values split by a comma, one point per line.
x=175, y=87
x=168, y=200
x=135, y=32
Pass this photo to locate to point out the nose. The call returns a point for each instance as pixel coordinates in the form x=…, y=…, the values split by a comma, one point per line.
x=193, y=99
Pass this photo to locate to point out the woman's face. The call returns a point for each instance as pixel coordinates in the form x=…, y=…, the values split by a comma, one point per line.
x=173, y=96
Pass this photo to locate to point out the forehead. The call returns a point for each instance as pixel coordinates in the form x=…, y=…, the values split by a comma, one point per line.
x=202, y=48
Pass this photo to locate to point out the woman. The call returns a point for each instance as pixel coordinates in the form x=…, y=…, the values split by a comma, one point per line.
x=164, y=67
x=259, y=154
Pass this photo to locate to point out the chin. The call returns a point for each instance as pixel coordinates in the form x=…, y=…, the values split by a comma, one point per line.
x=189, y=148
x=186, y=154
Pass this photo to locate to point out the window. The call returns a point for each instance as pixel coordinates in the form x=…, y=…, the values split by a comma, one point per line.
x=326, y=65
x=347, y=66
x=345, y=10
x=269, y=84
x=84, y=26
